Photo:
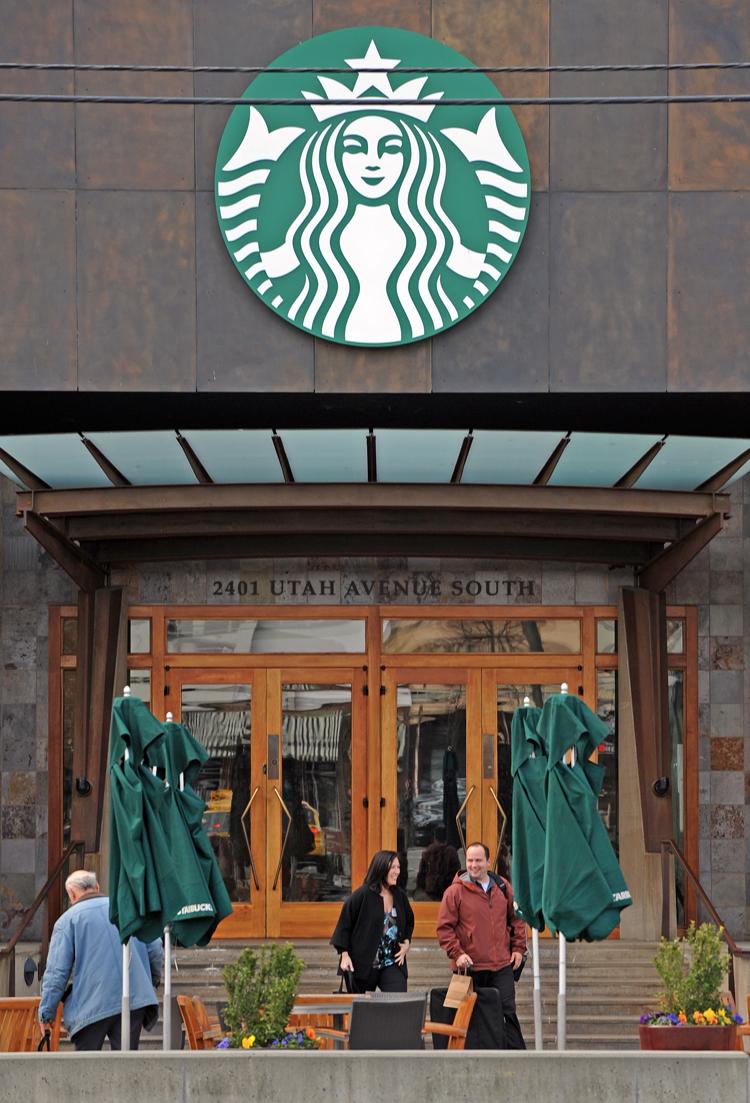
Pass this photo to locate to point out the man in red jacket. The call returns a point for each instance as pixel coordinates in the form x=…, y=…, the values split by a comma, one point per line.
x=479, y=931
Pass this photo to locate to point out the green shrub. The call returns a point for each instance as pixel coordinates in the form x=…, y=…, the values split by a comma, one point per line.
x=261, y=988
x=692, y=970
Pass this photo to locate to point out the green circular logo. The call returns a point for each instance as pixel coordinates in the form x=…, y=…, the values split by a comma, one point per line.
x=372, y=215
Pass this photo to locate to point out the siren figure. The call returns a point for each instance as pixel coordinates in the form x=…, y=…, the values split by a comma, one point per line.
x=373, y=232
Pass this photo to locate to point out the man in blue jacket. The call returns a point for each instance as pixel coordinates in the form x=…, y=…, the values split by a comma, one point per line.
x=85, y=948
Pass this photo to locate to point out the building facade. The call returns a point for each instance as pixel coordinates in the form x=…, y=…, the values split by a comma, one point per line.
x=384, y=656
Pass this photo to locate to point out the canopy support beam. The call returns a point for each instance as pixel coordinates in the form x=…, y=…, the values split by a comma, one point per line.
x=87, y=574
x=101, y=625
x=665, y=566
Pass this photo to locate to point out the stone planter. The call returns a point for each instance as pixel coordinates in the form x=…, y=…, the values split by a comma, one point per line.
x=688, y=1037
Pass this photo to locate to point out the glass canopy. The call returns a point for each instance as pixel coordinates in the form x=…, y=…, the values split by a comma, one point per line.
x=429, y=456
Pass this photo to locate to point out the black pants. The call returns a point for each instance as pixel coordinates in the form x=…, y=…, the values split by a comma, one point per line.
x=92, y=1036
x=502, y=980
x=390, y=979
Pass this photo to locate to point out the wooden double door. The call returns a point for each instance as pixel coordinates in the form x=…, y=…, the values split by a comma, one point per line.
x=310, y=770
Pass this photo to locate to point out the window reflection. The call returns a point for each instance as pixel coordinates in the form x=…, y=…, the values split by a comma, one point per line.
x=482, y=636
x=140, y=685
x=265, y=636
x=219, y=717
x=316, y=753
x=606, y=710
x=431, y=785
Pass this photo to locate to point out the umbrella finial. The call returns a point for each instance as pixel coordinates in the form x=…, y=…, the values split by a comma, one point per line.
x=170, y=718
x=526, y=702
x=564, y=687
x=126, y=691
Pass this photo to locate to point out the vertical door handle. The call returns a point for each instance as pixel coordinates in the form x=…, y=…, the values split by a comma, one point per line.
x=243, y=821
x=504, y=818
x=460, y=812
x=286, y=835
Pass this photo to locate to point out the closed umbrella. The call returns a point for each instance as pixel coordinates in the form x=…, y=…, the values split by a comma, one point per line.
x=159, y=869
x=528, y=766
x=181, y=757
x=584, y=889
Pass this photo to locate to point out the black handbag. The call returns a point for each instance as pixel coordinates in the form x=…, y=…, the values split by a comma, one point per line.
x=346, y=983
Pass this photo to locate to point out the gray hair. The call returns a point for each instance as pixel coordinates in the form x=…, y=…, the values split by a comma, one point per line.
x=82, y=881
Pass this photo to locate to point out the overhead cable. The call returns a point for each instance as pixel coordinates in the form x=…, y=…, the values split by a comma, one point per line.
x=365, y=102
x=646, y=67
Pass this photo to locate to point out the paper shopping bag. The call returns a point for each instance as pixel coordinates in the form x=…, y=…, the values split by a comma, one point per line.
x=459, y=988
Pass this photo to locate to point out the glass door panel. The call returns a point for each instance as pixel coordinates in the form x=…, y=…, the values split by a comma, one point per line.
x=220, y=710
x=431, y=778
x=316, y=757
x=315, y=797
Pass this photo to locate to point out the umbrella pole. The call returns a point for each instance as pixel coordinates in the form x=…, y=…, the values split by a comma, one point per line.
x=125, y=1020
x=538, y=1038
x=561, y=994
x=167, y=1016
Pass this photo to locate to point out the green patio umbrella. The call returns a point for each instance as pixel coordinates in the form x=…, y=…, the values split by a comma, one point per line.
x=584, y=889
x=181, y=757
x=528, y=766
x=165, y=850
x=135, y=902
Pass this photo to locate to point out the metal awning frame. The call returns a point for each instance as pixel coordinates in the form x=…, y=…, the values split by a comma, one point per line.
x=657, y=532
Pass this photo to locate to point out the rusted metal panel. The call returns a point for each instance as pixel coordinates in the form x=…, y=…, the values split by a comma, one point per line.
x=708, y=150
x=136, y=291
x=709, y=292
x=135, y=146
x=608, y=292
x=602, y=148
x=37, y=31
x=329, y=15
x=37, y=305
x=344, y=369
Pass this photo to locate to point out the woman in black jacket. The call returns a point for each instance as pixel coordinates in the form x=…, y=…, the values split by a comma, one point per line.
x=374, y=930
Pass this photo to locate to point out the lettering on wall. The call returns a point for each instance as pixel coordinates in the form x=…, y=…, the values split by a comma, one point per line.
x=394, y=588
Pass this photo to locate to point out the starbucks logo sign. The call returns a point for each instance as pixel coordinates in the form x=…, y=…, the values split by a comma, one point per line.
x=372, y=215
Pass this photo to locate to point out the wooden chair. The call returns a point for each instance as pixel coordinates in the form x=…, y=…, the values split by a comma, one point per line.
x=383, y=1023
x=202, y=1032
x=19, y=1019
x=455, y=1032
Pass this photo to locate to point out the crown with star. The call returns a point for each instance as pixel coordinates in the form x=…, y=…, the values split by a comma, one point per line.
x=372, y=72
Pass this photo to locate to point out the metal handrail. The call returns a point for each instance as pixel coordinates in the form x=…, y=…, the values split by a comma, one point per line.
x=9, y=949
x=668, y=845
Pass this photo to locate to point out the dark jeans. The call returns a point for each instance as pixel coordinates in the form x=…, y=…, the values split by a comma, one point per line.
x=93, y=1035
x=390, y=979
x=502, y=980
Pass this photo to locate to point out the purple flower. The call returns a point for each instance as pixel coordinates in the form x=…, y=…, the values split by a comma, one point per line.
x=646, y=1018
x=223, y=1044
